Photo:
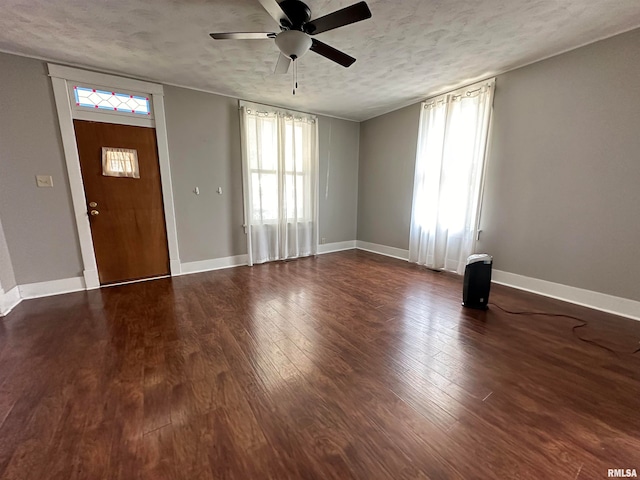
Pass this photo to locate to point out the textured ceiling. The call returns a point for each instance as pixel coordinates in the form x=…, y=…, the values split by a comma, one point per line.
x=408, y=50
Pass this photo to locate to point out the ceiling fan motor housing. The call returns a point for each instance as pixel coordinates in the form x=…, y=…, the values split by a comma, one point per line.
x=298, y=12
x=293, y=43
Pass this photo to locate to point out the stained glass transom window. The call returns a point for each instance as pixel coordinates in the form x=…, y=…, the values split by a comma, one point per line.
x=114, y=101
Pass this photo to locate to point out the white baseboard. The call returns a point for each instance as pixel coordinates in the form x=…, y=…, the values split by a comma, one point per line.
x=213, y=264
x=9, y=300
x=53, y=287
x=241, y=260
x=586, y=298
x=383, y=250
x=336, y=247
x=623, y=307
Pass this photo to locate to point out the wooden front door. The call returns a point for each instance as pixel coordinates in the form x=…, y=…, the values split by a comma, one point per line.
x=126, y=214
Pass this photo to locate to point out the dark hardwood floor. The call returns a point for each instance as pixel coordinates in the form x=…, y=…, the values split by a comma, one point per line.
x=349, y=365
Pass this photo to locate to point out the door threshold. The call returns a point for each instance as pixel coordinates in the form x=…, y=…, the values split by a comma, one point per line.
x=134, y=281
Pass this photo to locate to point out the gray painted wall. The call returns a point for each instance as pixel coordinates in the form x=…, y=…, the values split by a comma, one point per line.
x=338, y=205
x=204, y=146
x=385, y=180
x=7, y=277
x=562, y=188
x=563, y=180
x=38, y=222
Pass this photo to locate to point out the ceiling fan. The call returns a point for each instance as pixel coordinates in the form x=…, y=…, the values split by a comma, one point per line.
x=296, y=26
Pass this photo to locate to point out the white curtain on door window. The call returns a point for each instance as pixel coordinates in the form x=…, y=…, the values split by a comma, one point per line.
x=280, y=172
x=120, y=162
x=449, y=177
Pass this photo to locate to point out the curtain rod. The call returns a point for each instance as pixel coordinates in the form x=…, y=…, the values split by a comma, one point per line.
x=468, y=93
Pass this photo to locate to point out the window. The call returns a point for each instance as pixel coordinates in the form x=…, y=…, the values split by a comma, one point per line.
x=120, y=162
x=277, y=183
x=111, y=101
x=448, y=177
x=263, y=169
x=280, y=171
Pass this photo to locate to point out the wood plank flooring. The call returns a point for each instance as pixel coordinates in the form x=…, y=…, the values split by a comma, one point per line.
x=349, y=365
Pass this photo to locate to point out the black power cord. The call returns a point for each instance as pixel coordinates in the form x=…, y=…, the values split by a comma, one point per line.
x=583, y=323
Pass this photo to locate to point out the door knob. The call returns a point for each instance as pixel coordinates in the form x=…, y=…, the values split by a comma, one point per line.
x=93, y=204
x=94, y=212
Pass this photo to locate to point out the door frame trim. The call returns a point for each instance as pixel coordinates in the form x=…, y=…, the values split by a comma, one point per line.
x=60, y=75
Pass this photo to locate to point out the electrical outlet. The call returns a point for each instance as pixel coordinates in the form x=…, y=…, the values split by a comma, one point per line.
x=44, y=181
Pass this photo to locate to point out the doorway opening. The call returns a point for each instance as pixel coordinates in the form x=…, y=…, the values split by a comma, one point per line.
x=115, y=144
x=124, y=200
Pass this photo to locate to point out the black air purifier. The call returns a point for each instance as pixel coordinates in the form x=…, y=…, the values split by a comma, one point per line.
x=477, y=281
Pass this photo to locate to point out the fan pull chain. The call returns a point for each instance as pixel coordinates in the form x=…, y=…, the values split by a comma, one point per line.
x=295, y=76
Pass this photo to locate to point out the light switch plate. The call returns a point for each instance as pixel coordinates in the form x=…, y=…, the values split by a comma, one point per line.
x=44, y=181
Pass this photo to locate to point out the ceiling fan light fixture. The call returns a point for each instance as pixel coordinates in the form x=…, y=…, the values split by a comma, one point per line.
x=293, y=43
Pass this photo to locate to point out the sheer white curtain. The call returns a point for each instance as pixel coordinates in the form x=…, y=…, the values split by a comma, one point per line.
x=280, y=172
x=449, y=177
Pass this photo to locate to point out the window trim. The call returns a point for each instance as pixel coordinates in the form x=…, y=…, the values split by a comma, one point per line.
x=82, y=112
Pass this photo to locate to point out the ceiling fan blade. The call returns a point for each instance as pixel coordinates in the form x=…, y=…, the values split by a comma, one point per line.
x=283, y=64
x=331, y=53
x=346, y=16
x=242, y=36
x=273, y=8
